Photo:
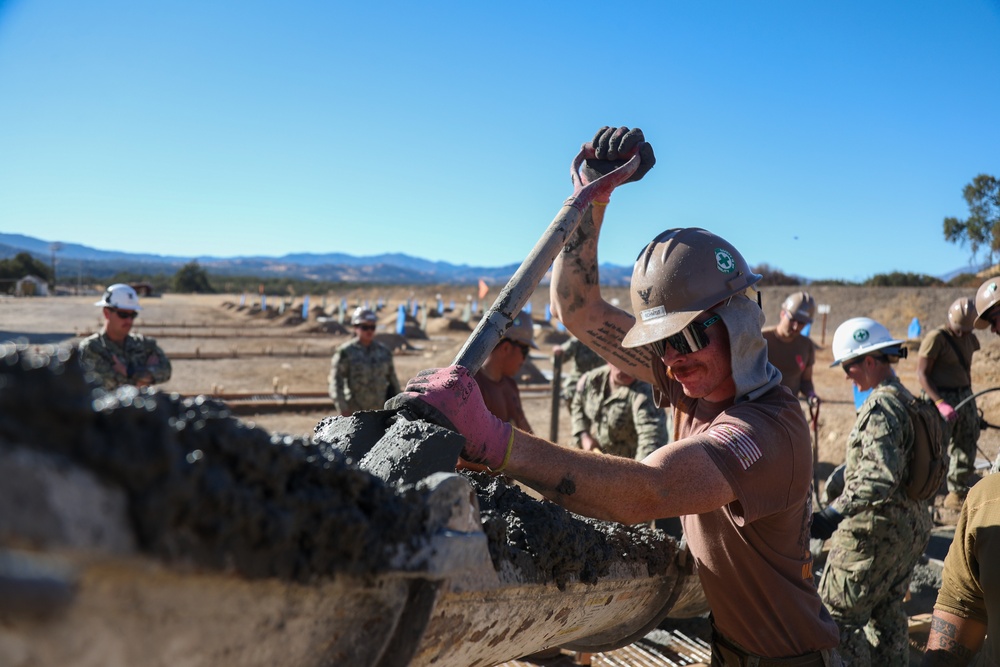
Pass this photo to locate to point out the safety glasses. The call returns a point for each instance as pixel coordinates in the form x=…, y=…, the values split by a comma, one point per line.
x=523, y=347
x=125, y=314
x=848, y=365
x=365, y=327
x=689, y=339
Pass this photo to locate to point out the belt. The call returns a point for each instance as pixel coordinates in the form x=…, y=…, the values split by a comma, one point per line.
x=734, y=656
x=963, y=388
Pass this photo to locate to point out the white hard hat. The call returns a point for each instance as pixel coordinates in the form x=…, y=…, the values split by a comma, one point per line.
x=862, y=335
x=120, y=296
x=363, y=316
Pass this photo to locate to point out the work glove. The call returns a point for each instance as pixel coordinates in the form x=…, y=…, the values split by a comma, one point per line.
x=824, y=523
x=946, y=410
x=608, y=144
x=454, y=393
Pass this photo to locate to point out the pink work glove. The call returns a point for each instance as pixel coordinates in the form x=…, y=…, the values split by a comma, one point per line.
x=455, y=394
x=946, y=411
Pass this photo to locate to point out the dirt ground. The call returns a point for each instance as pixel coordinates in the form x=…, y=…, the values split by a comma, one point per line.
x=244, y=350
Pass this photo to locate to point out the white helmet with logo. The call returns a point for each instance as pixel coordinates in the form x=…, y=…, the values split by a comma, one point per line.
x=120, y=296
x=863, y=335
x=363, y=316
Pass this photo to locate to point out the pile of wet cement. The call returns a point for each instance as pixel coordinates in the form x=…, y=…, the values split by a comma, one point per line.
x=204, y=487
x=548, y=544
x=208, y=489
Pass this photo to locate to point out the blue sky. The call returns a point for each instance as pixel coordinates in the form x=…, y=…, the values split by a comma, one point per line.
x=826, y=139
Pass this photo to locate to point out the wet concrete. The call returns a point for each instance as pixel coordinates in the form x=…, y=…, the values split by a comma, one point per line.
x=205, y=488
x=546, y=543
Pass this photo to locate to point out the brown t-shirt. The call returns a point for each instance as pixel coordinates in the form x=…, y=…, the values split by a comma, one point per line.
x=503, y=399
x=970, y=583
x=948, y=369
x=790, y=357
x=753, y=555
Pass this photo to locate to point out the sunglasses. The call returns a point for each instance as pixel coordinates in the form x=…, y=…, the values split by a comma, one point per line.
x=847, y=366
x=125, y=314
x=365, y=327
x=524, y=347
x=689, y=339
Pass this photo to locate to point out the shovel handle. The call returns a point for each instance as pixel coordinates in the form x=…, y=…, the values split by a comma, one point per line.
x=522, y=284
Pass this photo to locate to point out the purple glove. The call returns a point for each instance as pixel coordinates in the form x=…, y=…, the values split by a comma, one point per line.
x=455, y=394
x=946, y=411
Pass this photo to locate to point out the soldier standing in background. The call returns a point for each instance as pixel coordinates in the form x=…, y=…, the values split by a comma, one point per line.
x=613, y=413
x=116, y=356
x=882, y=531
x=362, y=374
x=792, y=353
x=944, y=368
x=584, y=359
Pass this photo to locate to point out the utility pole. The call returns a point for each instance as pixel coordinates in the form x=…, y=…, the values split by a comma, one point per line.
x=54, y=248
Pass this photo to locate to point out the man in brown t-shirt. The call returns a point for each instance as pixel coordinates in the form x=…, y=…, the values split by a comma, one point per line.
x=739, y=475
x=496, y=377
x=788, y=350
x=944, y=369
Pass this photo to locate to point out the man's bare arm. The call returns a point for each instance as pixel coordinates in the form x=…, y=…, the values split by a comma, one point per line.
x=680, y=478
x=575, y=293
x=953, y=640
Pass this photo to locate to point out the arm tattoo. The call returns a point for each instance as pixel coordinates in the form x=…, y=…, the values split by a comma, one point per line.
x=946, y=651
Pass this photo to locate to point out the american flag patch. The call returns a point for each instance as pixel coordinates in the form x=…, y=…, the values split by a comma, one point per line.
x=738, y=441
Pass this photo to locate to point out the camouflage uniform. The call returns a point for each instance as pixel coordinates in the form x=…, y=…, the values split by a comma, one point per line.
x=883, y=534
x=584, y=359
x=98, y=355
x=624, y=420
x=362, y=378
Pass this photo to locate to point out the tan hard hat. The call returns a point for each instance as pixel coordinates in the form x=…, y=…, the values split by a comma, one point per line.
x=522, y=330
x=681, y=273
x=987, y=296
x=363, y=316
x=962, y=314
x=801, y=306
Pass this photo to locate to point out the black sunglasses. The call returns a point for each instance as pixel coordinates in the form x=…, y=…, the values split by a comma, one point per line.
x=365, y=327
x=524, y=347
x=689, y=339
x=125, y=314
x=848, y=365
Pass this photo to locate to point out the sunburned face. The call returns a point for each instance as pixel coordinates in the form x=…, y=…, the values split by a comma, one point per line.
x=788, y=326
x=118, y=323
x=706, y=373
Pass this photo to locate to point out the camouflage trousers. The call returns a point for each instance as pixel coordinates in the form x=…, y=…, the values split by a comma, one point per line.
x=962, y=435
x=868, y=572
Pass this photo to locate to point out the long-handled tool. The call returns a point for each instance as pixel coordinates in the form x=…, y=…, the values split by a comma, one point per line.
x=814, y=422
x=982, y=420
x=519, y=288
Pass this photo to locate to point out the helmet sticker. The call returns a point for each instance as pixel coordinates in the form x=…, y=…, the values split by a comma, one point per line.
x=653, y=313
x=861, y=335
x=724, y=260
x=992, y=288
x=644, y=294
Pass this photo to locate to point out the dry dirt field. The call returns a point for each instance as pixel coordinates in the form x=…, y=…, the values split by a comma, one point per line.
x=219, y=347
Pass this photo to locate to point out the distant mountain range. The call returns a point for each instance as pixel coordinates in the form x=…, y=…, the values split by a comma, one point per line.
x=392, y=268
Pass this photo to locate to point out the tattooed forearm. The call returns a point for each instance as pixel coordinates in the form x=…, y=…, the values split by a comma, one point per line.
x=943, y=647
x=607, y=339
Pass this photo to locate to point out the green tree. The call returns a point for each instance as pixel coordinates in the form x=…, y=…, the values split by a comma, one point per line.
x=192, y=278
x=982, y=228
x=23, y=264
